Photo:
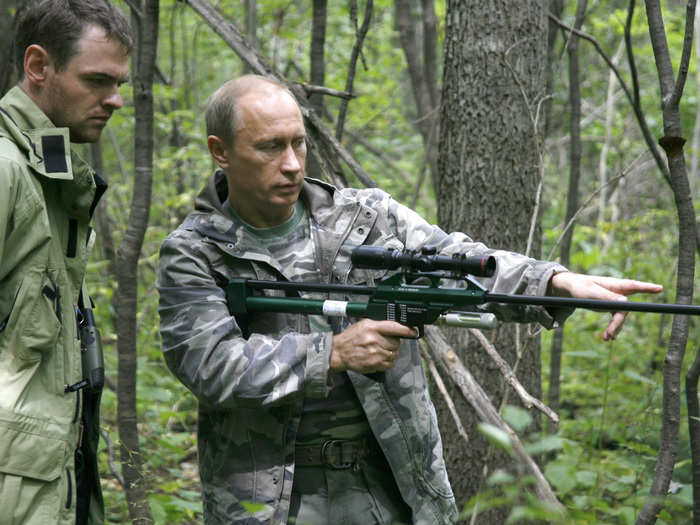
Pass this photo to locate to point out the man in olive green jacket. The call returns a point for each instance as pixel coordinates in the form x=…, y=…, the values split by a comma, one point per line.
x=72, y=55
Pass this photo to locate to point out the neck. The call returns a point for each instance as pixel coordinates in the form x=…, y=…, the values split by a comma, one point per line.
x=258, y=219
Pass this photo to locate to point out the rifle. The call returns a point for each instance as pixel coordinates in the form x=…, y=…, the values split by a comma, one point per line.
x=402, y=297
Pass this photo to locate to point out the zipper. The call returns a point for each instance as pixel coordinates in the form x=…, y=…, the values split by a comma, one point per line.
x=77, y=407
x=55, y=296
x=69, y=499
x=3, y=323
x=72, y=248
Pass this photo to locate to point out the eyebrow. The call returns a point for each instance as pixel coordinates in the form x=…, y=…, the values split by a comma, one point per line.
x=106, y=76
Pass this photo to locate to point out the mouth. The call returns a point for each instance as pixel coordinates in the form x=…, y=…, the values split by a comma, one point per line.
x=102, y=119
x=288, y=190
x=289, y=187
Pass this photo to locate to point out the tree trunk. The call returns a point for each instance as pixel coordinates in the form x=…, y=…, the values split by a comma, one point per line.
x=495, y=68
x=572, y=196
x=251, y=26
x=422, y=71
x=672, y=143
x=144, y=61
x=318, y=48
x=8, y=25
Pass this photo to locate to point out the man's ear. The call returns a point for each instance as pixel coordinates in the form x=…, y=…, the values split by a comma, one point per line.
x=218, y=150
x=36, y=64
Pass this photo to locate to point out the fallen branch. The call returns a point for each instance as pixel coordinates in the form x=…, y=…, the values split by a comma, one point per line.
x=443, y=390
x=480, y=402
x=528, y=400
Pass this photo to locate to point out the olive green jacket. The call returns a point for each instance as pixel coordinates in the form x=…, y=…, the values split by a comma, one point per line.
x=47, y=196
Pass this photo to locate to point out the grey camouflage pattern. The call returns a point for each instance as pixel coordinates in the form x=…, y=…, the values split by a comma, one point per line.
x=251, y=375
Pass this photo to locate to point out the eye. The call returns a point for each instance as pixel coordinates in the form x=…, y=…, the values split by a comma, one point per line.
x=271, y=145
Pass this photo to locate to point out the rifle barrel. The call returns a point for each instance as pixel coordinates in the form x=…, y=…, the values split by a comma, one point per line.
x=488, y=297
x=593, y=304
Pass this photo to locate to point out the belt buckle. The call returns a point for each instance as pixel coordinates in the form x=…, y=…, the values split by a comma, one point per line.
x=327, y=445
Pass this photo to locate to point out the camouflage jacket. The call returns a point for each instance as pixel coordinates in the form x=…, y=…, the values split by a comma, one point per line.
x=47, y=196
x=251, y=375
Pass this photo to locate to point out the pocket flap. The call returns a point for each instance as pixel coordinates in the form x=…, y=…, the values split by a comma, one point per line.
x=30, y=455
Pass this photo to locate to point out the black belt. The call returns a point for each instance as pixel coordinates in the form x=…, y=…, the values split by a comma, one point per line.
x=337, y=454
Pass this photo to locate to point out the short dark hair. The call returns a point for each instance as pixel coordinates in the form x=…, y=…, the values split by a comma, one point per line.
x=58, y=25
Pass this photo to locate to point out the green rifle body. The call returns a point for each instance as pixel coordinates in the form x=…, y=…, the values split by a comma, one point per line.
x=398, y=298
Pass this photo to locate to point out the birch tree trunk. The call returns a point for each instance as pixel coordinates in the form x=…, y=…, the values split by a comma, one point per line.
x=495, y=68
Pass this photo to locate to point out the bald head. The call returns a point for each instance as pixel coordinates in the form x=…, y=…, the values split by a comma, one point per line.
x=222, y=114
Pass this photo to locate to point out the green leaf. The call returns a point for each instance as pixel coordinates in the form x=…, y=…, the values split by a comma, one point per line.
x=496, y=436
x=638, y=377
x=586, y=478
x=500, y=477
x=516, y=417
x=561, y=476
x=546, y=444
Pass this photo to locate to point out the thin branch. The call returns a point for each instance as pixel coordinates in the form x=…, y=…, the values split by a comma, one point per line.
x=630, y=54
x=587, y=202
x=356, y=49
x=134, y=9
x=685, y=56
x=637, y=109
x=426, y=158
x=443, y=390
x=310, y=88
x=110, y=456
x=528, y=400
x=357, y=137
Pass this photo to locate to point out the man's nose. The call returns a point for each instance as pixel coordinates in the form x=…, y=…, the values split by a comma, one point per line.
x=290, y=162
x=114, y=99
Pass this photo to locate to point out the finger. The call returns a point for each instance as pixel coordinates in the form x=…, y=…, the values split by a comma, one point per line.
x=627, y=286
x=597, y=291
x=394, y=329
x=615, y=325
x=389, y=343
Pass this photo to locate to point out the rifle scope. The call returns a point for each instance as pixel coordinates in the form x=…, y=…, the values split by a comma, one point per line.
x=377, y=257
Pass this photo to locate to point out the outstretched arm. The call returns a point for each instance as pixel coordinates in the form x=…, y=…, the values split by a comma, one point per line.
x=569, y=284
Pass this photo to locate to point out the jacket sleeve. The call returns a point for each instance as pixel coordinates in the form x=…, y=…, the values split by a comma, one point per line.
x=204, y=347
x=515, y=273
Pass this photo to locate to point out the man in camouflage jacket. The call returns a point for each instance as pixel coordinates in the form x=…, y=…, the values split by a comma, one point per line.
x=253, y=374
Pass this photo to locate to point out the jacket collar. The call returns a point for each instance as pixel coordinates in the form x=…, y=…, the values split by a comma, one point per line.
x=47, y=147
x=323, y=202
